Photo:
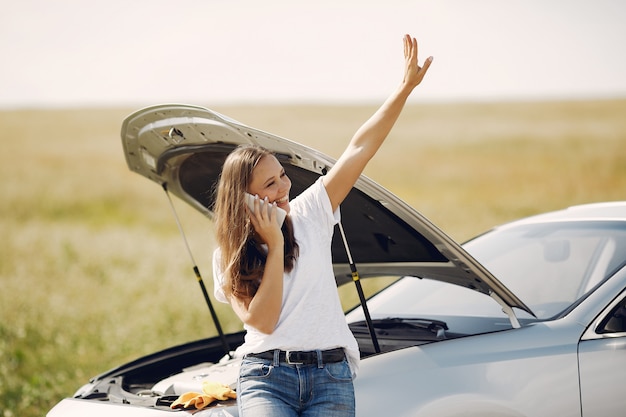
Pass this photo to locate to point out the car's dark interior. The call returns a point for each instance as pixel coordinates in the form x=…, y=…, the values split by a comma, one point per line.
x=615, y=321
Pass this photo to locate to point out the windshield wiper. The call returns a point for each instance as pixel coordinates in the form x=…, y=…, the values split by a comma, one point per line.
x=390, y=327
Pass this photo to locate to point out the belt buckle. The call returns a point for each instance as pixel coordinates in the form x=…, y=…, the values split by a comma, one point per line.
x=288, y=359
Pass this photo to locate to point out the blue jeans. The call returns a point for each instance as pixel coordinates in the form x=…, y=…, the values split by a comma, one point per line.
x=277, y=389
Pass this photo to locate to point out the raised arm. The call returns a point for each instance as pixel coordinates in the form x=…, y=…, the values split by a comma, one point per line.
x=370, y=136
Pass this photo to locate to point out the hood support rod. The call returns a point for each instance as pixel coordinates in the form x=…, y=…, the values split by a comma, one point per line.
x=196, y=271
x=359, y=290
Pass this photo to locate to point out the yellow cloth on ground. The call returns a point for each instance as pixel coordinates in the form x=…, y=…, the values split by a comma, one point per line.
x=211, y=391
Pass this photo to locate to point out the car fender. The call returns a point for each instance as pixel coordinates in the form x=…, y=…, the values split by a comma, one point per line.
x=527, y=371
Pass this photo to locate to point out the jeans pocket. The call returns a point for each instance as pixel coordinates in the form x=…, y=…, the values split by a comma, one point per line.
x=254, y=369
x=339, y=371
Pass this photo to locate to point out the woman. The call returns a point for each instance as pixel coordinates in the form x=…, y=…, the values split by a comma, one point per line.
x=299, y=356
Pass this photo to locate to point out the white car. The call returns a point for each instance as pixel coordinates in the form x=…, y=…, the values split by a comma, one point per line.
x=528, y=319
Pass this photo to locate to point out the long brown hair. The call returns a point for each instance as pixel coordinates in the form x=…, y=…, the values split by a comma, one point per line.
x=242, y=254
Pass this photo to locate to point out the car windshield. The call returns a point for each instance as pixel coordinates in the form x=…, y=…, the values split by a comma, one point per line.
x=550, y=266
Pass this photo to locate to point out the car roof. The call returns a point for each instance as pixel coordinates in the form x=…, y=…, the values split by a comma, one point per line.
x=182, y=148
x=605, y=211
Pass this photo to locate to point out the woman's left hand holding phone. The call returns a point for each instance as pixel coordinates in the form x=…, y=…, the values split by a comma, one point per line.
x=265, y=223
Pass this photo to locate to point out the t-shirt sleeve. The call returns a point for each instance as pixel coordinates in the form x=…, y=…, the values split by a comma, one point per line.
x=218, y=278
x=334, y=216
x=314, y=203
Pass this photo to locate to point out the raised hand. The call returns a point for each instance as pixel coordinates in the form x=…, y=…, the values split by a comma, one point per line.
x=413, y=73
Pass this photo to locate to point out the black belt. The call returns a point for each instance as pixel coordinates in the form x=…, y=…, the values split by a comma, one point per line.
x=302, y=358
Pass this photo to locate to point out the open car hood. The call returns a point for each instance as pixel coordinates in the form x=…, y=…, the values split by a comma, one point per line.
x=182, y=148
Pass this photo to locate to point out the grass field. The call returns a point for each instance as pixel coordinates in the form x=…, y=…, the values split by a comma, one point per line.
x=94, y=272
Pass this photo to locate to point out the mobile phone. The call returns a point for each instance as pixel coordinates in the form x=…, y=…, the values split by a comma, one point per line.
x=280, y=213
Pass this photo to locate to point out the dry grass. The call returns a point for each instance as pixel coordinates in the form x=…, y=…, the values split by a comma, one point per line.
x=94, y=271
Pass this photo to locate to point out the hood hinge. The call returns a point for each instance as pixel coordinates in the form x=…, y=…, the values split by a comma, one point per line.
x=506, y=309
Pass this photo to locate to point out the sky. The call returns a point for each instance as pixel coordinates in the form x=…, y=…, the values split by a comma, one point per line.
x=85, y=53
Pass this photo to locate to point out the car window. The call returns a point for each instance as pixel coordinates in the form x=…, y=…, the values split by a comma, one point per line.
x=550, y=266
x=348, y=294
x=412, y=297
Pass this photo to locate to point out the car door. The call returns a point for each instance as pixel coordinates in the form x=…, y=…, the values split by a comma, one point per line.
x=602, y=360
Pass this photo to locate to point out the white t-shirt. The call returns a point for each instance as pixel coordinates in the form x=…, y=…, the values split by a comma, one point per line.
x=311, y=316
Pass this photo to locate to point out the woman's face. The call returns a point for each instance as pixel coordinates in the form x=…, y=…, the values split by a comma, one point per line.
x=269, y=180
